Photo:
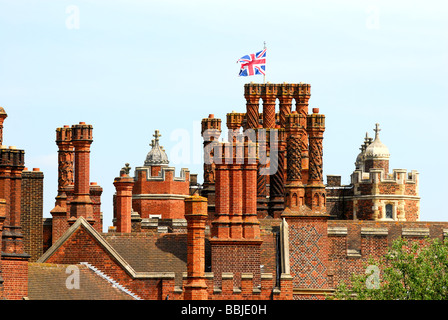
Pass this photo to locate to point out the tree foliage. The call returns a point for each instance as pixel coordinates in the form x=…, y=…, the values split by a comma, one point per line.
x=408, y=271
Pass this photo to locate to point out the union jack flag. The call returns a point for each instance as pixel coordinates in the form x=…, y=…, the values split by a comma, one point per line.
x=253, y=64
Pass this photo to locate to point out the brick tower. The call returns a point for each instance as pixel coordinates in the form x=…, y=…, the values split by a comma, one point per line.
x=374, y=192
x=157, y=192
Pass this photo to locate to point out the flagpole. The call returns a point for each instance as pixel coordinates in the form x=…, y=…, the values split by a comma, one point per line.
x=264, y=76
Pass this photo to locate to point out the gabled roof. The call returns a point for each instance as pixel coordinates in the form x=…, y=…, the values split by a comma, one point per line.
x=82, y=223
x=49, y=282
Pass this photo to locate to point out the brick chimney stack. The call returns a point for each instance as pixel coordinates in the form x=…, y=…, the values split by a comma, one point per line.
x=234, y=123
x=65, y=181
x=123, y=200
x=196, y=215
x=220, y=223
x=252, y=94
x=294, y=188
x=12, y=162
x=277, y=179
x=235, y=233
x=269, y=96
x=285, y=96
x=302, y=95
x=82, y=204
x=210, y=131
x=251, y=225
x=315, y=190
x=14, y=259
x=65, y=158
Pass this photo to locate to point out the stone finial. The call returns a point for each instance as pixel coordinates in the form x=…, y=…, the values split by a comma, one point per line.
x=126, y=169
x=377, y=130
x=157, y=135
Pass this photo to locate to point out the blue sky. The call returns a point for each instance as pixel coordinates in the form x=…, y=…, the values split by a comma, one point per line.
x=131, y=67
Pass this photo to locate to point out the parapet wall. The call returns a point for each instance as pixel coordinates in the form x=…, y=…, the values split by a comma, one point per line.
x=399, y=176
x=352, y=243
x=157, y=192
x=162, y=174
x=248, y=290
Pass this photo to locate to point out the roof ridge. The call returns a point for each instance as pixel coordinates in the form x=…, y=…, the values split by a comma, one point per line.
x=114, y=283
x=81, y=221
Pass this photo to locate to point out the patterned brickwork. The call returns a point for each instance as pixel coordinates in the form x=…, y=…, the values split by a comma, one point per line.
x=294, y=159
x=316, y=157
x=308, y=256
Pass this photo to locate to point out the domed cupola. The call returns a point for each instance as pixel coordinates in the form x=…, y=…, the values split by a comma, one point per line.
x=377, y=154
x=157, y=155
x=377, y=150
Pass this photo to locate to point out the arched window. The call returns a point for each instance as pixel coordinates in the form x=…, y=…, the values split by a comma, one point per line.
x=316, y=200
x=294, y=200
x=389, y=211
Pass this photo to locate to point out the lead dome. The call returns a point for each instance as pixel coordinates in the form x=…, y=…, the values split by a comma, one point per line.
x=377, y=150
x=157, y=155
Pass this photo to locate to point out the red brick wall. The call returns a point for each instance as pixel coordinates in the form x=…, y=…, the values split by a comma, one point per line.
x=364, y=209
x=31, y=218
x=168, y=208
x=169, y=186
x=268, y=253
x=15, y=276
x=236, y=257
x=376, y=164
x=412, y=208
x=410, y=189
x=364, y=188
x=388, y=188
